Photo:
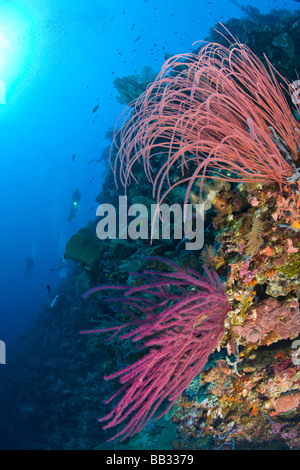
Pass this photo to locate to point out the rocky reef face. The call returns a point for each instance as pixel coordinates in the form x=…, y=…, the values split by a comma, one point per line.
x=248, y=397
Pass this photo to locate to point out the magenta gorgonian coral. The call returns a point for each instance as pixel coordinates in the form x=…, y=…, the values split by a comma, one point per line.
x=179, y=317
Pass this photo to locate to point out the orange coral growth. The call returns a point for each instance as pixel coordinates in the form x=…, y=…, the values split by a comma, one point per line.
x=287, y=402
x=289, y=207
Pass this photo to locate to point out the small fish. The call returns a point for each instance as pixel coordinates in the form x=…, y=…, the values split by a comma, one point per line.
x=282, y=40
x=137, y=39
x=48, y=288
x=93, y=160
x=96, y=108
x=286, y=43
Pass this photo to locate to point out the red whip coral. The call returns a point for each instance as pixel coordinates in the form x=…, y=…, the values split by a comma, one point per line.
x=220, y=114
x=183, y=322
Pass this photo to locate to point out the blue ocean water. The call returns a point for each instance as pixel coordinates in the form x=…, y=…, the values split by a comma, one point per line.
x=58, y=60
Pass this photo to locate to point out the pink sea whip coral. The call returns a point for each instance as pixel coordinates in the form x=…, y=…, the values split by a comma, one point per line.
x=220, y=114
x=182, y=323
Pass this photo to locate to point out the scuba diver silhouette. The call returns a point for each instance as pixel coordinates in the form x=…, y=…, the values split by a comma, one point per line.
x=76, y=196
x=29, y=266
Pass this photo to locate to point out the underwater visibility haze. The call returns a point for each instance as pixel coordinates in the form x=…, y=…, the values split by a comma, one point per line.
x=115, y=335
